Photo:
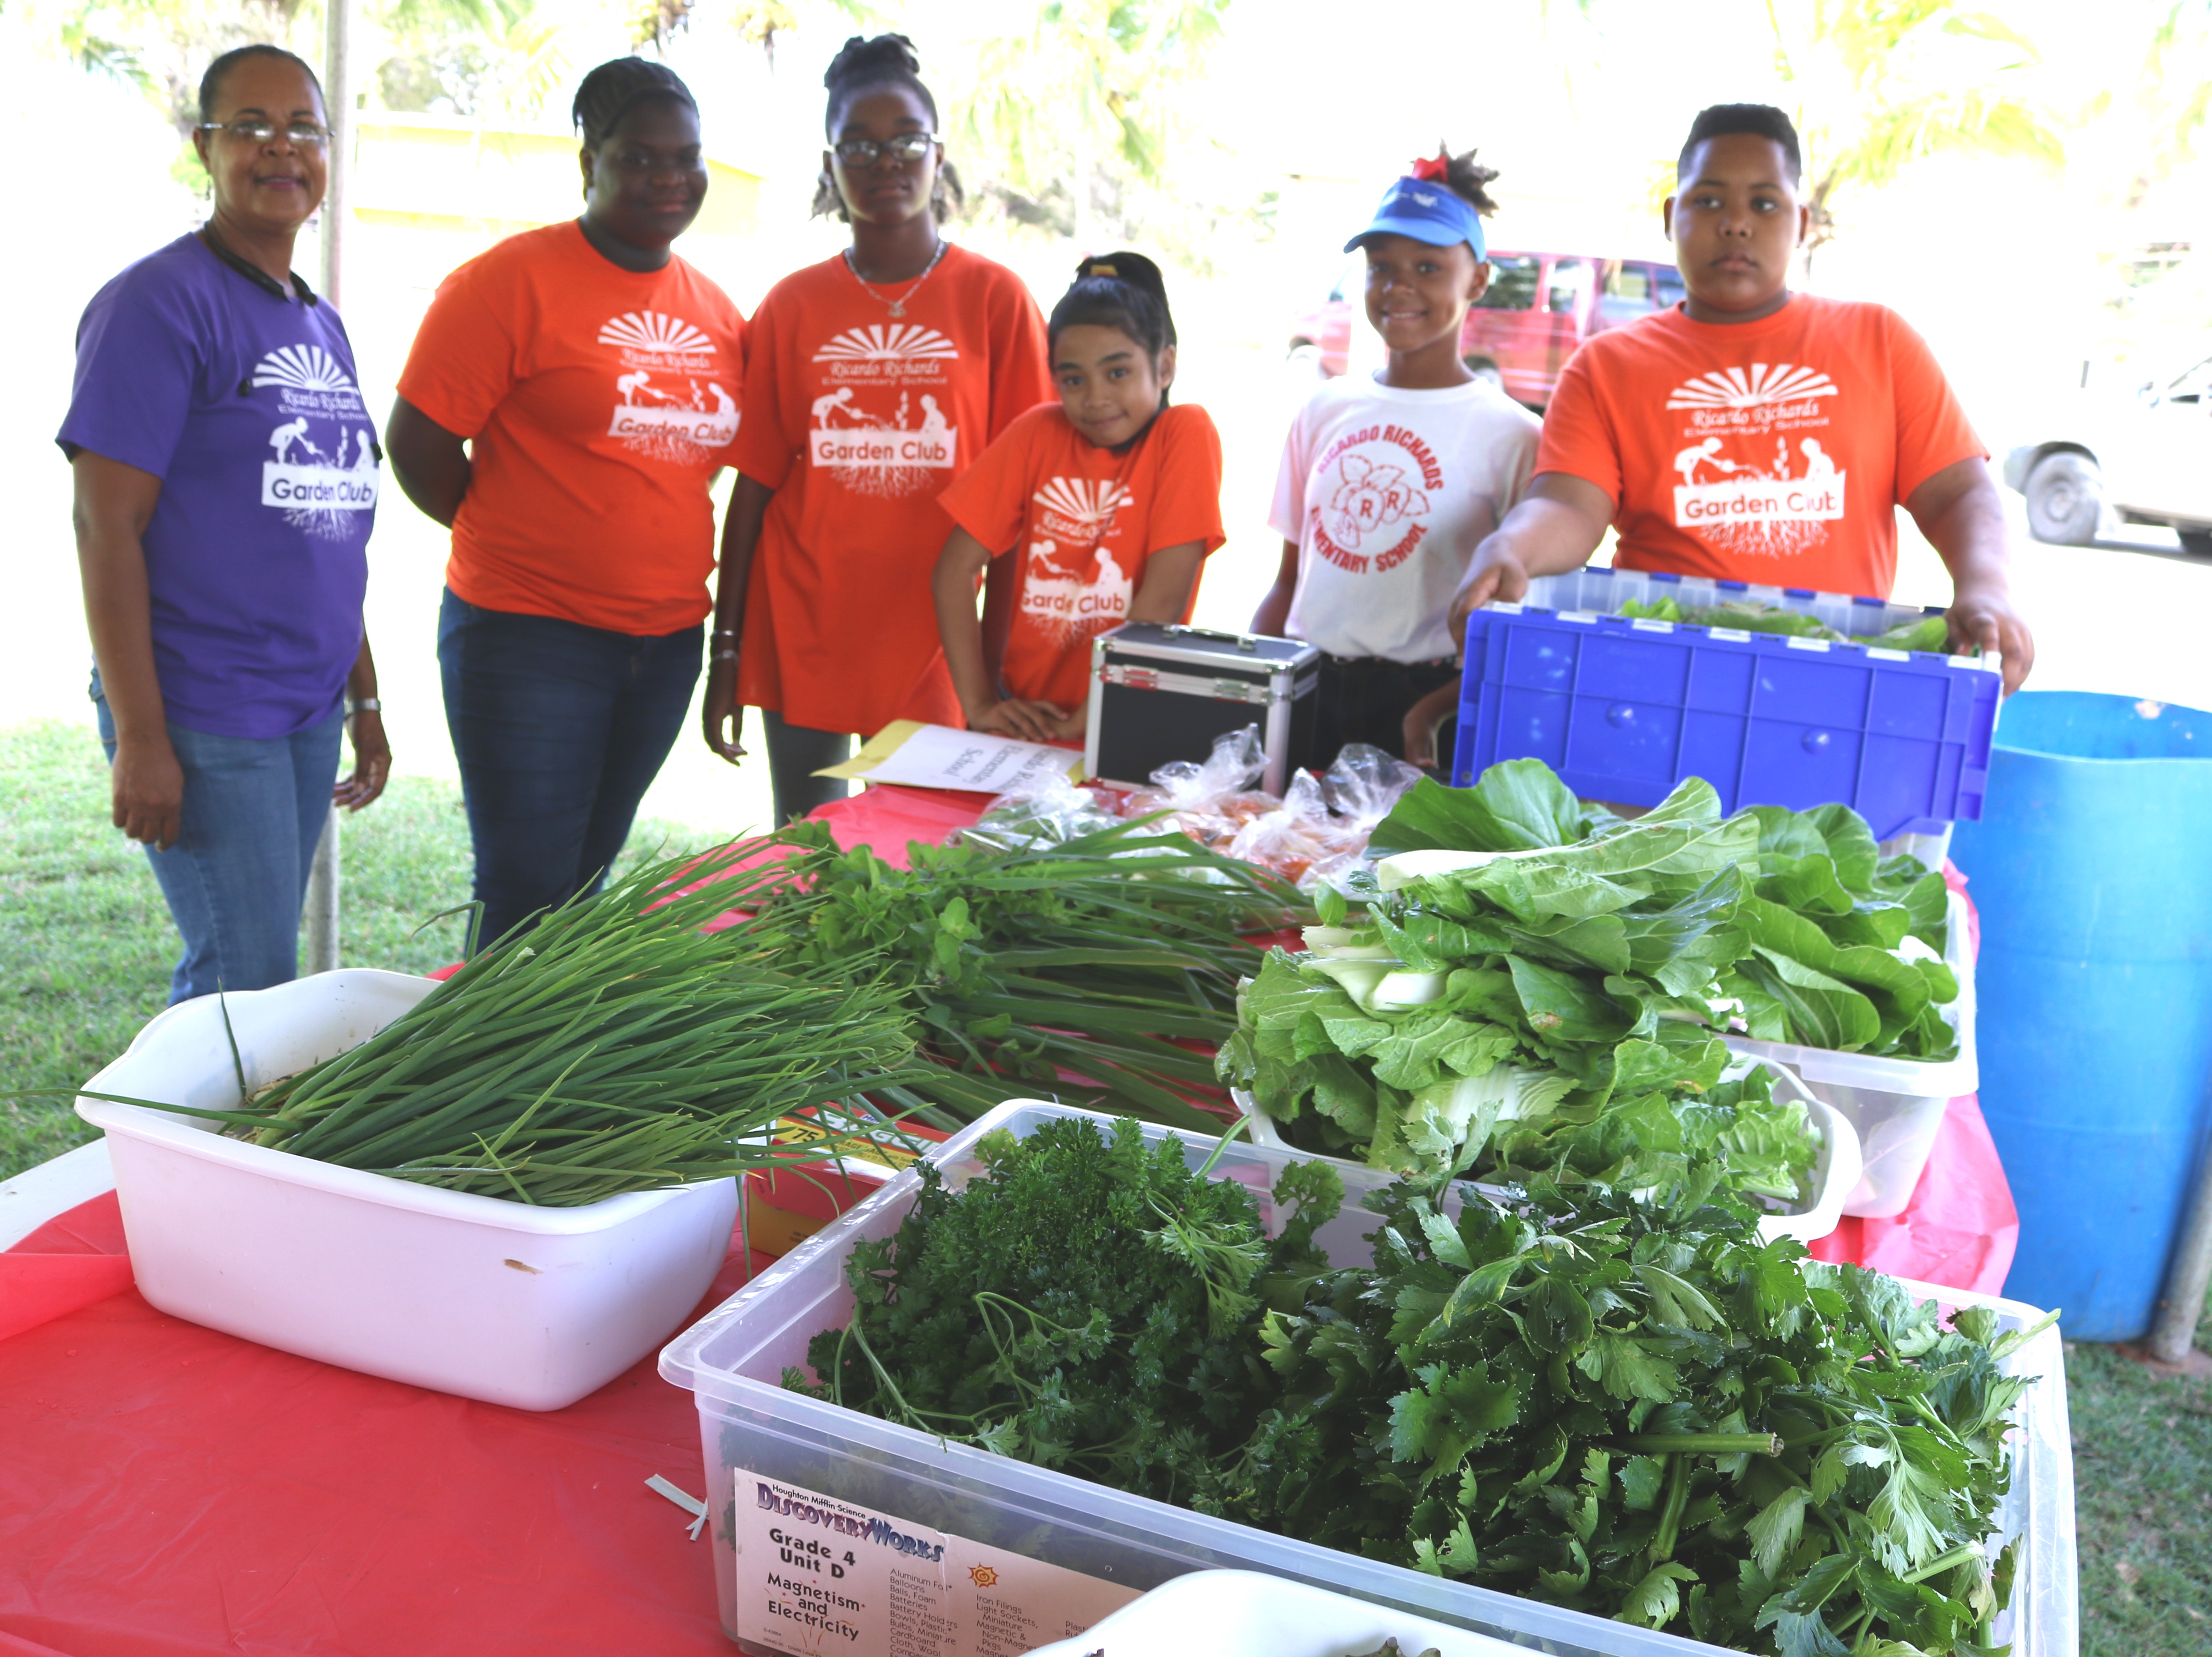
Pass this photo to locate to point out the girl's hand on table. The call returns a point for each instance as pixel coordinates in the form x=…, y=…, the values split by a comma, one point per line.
x=1030, y=721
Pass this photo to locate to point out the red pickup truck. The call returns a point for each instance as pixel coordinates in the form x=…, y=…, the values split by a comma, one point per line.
x=1537, y=309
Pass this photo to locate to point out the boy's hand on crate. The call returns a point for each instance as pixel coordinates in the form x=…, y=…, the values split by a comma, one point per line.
x=1986, y=619
x=1493, y=573
x=1962, y=514
x=1554, y=528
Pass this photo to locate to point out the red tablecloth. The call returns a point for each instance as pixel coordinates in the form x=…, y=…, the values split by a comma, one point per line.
x=168, y=1491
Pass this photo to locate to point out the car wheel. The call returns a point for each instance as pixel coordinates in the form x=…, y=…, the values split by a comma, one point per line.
x=2065, y=499
x=1304, y=362
x=2197, y=542
x=1484, y=368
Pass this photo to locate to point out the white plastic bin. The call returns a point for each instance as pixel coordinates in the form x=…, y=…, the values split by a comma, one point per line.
x=492, y=1299
x=1896, y=1103
x=1244, y=1614
x=963, y=1544
x=1835, y=1173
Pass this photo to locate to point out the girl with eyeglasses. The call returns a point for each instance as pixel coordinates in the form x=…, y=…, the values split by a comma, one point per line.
x=226, y=481
x=568, y=399
x=873, y=381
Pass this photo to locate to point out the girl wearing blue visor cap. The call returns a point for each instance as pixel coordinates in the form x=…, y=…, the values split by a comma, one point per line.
x=1389, y=481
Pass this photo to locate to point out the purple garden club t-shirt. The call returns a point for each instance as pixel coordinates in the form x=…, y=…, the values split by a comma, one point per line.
x=246, y=406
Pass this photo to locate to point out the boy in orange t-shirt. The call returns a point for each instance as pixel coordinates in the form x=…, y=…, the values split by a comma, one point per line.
x=1754, y=434
x=1107, y=500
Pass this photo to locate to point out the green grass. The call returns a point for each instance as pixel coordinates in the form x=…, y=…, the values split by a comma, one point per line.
x=2142, y=1475
x=86, y=945
x=86, y=948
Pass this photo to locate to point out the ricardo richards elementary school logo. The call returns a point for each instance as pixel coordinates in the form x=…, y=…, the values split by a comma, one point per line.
x=872, y=444
x=1750, y=479
x=1370, y=502
x=322, y=459
x=667, y=405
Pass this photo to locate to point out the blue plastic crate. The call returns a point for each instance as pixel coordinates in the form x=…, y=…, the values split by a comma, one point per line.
x=1623, y=709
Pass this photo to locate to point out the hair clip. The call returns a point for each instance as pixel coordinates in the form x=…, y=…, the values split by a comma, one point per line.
x=1432, y=166
x=1096, y=268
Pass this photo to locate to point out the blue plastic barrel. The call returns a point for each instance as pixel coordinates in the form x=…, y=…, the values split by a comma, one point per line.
x=2092, y=868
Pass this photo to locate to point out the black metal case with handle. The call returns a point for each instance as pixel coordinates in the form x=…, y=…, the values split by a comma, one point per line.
x=1161, y=693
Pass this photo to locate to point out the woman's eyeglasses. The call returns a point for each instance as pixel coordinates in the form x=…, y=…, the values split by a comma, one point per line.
x=303, y=135
x=906, y=147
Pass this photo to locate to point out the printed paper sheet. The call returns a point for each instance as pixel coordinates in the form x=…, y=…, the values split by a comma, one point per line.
x=816, y=1573
x=939, y=757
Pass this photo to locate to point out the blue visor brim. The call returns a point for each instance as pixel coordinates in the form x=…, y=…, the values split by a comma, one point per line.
x=1422, y=230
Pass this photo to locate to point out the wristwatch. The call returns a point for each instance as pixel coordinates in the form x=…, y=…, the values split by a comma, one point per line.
x=367, y=704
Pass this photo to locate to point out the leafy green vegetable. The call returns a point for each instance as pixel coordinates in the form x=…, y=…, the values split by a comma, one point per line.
x=1515, y=806
x=1643, y=1412
x=1564, y=1032
x=615, y=1047
x=1930, y=633
x=1505, y=1006
x=1098, y=969
x=1632, y=1409
x=1084, y=1304
x=1744, y=614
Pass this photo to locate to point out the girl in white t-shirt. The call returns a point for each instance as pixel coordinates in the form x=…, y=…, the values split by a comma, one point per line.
x=1388, y=482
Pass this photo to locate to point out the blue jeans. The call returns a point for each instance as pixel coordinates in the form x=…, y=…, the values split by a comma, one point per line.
x=560, y=729
x=254, y=809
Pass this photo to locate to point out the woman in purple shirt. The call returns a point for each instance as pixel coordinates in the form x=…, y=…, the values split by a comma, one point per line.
x=226, y=481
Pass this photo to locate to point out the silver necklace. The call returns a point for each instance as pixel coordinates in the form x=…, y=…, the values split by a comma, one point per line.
x=898, y=305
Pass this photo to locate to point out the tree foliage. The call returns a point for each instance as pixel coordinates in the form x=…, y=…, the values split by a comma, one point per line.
x=2173, y=95
x=1086, y=102
x=1883, y=83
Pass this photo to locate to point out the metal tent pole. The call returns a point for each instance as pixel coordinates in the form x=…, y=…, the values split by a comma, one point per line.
x=321, y=913
x=2174, y=1334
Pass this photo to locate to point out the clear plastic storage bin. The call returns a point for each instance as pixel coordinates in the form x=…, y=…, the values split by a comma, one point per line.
x=1623, y=709
x=835, y=1529
x=1896, y=1103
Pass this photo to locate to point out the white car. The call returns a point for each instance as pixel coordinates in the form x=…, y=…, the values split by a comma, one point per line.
x=2146, y=461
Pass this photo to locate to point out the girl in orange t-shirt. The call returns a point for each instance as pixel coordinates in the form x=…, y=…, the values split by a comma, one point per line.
x=1109, y=498
x=871, y=380
x=567, y=400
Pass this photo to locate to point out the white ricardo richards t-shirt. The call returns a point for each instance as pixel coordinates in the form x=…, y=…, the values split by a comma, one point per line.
x=1378, y=488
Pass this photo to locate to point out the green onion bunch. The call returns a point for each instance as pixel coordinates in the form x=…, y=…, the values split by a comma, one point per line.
x=1097, y=957
x=615, y=1047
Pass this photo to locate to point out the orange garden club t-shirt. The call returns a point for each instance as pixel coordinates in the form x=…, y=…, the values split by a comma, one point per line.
x=1084, y=521
x=860, y=420
x=599, y=403
x=1774, y=451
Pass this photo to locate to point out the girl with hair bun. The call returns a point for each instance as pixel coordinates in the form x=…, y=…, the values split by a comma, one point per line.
x=1110, y=499
x=873, y=381
x=568, y=399
x=1389, y=484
